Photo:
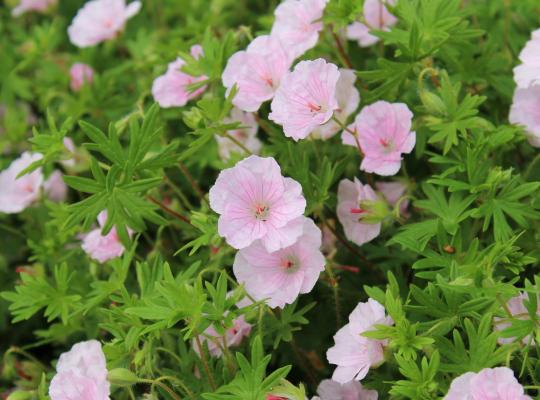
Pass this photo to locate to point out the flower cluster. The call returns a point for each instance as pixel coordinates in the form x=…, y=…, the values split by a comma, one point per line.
x=525, y=108
x=261, y=214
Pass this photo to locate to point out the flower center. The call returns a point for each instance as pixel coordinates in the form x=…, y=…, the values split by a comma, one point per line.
x=261, y=212
x=290, y=264
x=314, y=107
x=269, y=81
x=387, y=144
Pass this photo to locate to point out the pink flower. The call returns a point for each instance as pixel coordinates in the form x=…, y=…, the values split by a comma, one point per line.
x=246, y=134
x=256, y=202
x=517, y=308
x=384, y=133
x=528, y=72
x=55, y=188
x=348, y=99
x=233, y=335
x=298, y=23
x=172, y=88
x=393, y=192
x=377, y=17
x=32, y=5
x=488, y=384
x=354, y=354
x=355, y=209
x=102, y=248
x=353, y=390
x=16, y=194
x=280, y=276
x=100, y=20
x=80, y=75
x=525, y=111
x=256, y=72
x=81, y=374
x=306, y=98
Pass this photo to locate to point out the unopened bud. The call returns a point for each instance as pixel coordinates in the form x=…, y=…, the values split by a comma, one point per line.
x=122, y=377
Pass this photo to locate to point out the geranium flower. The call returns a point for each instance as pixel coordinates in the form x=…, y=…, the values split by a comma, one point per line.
x=357, y=212
x=32, y=5
x=256, y=72
x=172, y=88
x=16, y=194
x=81, y=374
x=256, y=202
x=102, y=247
x=306, y=98
x=246, y=134
x=528, y=72
x=488, y=384
x=100, y=20
x=348, y=99
x=80, y=75
x=525, y=111
x=298, y=23
x=354, y=354
x=384, y=133
x=517, y=308
x=353, y=390
x=280, y=276
x=376, y=16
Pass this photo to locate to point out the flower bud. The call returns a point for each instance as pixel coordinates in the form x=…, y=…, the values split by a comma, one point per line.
x=122, y=377
x=20, y=395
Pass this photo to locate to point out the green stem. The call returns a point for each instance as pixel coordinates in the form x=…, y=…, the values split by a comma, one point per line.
x=161, y=385
x=353, y=133
x=179, y=382
x=236, y=142
x=18, y=350
x=205, y=363
x=192, y=182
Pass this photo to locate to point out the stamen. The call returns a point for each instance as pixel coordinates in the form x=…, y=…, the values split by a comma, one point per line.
x=314, y=107
x=358, y=211
x=384, y=142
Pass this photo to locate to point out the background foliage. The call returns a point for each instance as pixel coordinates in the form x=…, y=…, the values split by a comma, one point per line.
x=470, y=243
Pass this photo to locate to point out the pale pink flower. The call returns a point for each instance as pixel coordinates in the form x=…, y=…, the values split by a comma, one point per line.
x=354, y=354
x=517, y=308
x=393, y=192
x=377, y=17
x=55, y=187
x=298, y=23
x=256, y=202
x=525, y=111
x=348, y=99
x=528, y=72
x=353, y=210
x=32, y=5
x=256, y=72
x=172, y=88
x=352, y=390
x=384, y=133
x=81, y=374
x=102, y=247
x=488, y=384
x=80, y=75
x=100, y=20
x=246, y=134
x=233, y=335
x=16, y=194
x=280, y=276
x=306, y=98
